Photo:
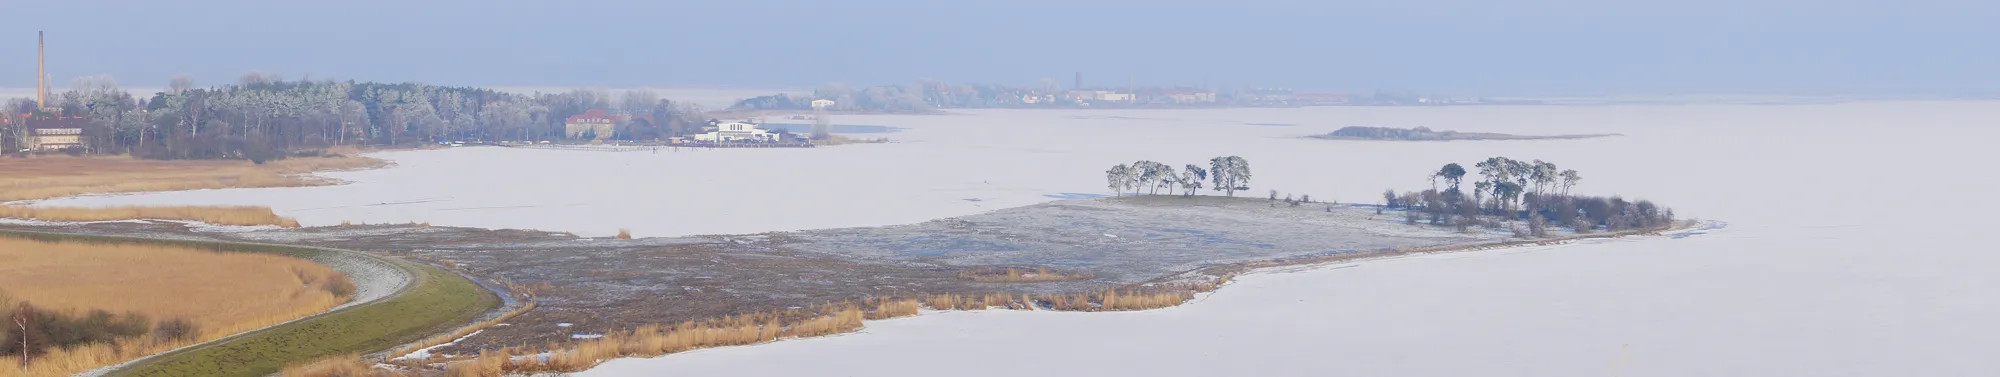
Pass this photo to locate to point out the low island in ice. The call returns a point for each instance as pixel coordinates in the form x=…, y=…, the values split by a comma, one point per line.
x=1426, y=134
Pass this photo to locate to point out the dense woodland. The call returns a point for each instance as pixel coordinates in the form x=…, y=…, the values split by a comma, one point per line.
x=262, y=116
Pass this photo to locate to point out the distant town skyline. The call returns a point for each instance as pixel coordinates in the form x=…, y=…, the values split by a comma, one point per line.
x=1462, y=47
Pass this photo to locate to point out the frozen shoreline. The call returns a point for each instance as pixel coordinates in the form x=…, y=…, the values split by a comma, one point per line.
x=1255, y=272
x=1794, y=286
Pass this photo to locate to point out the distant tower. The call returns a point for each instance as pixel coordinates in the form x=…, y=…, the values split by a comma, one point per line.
x=1079, y=80
x=41, y=73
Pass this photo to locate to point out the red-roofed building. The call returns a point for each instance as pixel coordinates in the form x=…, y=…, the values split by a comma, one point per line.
x=595, y=124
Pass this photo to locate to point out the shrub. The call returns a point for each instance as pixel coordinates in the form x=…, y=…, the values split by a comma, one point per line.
x=48, y=330
x=339, y=285
x=179, y=329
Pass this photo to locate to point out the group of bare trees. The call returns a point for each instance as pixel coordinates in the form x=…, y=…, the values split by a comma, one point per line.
x=263, y=116
x=1534, y=192
x=1227, y=173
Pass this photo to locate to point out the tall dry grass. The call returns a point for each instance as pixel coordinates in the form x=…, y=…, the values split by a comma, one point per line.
x=892, y=308
x=461, y=332
x=349, y=365
x=655, y=340
x=488, y=364
x=221, y=293
x=222, y=215
x=1020, y=275
x=55, y=177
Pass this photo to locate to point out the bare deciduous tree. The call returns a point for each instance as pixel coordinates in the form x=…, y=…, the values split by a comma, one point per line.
x=181, y=83
x=638, y=101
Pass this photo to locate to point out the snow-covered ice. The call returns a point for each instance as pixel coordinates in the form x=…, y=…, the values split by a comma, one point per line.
x=1855, y=244
x=1001, y=158
x=1833, y=264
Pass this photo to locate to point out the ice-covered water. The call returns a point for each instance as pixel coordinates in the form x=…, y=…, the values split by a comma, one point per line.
x=948, y=165
x=1855, y=247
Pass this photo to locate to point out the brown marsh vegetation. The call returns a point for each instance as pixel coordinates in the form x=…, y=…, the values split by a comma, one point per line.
x=461, y=332
x=349, y=365
x=220, y=215
x=1020, y=275
x=821, y=320
x=197, y=296
x=61, y=176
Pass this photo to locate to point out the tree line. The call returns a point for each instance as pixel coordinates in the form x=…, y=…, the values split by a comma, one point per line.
x=884, y=98
x=1228, y=174
x=262, y=116
x=1535, y=192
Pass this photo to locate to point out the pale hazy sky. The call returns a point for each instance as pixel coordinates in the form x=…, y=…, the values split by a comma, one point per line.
x=1533, y=47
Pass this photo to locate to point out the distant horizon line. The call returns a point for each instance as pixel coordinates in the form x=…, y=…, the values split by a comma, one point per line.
x=9, y=92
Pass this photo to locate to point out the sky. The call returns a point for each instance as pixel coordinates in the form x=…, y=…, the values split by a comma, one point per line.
x=1468, y=47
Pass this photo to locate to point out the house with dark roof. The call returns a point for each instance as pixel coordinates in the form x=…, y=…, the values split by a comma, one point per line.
x=595, y=124
x=53, y=133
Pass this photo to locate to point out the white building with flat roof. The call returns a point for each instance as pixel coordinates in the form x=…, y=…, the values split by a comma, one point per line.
x=737, y=132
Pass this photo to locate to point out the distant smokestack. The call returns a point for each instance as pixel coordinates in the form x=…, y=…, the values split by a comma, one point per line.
x=41, y=73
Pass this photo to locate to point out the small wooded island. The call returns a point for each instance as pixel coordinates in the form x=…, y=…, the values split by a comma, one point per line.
x=1426, y=134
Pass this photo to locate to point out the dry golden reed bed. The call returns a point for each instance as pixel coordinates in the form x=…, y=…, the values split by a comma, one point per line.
x=221, y=215
x=656, y=340
x=838, y=318
x=61, y=176
x=222, y=293
x=1020, y=275
x=349, y=365
x=460, y=333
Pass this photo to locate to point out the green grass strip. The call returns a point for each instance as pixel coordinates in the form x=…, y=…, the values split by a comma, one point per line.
x=441, y=300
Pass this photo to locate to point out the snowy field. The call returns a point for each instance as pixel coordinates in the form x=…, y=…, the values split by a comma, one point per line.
x=1854, y=248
